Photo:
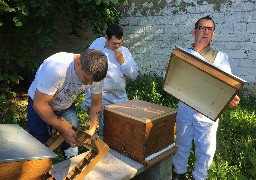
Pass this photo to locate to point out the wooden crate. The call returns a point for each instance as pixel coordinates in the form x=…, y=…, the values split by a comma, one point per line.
x=199, y=84
x=138, y=128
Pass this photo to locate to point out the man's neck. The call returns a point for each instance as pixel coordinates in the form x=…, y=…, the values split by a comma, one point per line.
x=200, y=47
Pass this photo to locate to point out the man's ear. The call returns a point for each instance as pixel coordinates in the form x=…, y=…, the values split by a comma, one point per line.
x=76, y=56
x=193, y=32
x=77, y=62
x=213, y=34
x=106, y=37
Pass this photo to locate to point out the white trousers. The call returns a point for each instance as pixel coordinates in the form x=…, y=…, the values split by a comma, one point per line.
x=191, y=125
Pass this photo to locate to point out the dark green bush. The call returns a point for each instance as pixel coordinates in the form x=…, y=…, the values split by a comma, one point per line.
x=28, y=27
x=150, y=88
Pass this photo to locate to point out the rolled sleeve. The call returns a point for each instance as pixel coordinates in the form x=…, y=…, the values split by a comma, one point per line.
x=96, y=88
x=129, y=67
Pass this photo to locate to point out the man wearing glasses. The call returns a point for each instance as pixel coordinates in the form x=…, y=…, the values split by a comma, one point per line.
x=190, y=124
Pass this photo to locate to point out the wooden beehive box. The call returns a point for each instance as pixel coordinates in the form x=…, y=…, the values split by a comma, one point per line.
x=138, y=128
x=199, y=84
x=21, y=155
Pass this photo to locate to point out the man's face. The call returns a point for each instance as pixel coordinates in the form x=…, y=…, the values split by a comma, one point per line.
x=113, y=43
x=204, y=32
x=85, y=78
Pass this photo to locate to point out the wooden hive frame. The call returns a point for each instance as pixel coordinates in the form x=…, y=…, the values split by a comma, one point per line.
x=96, y=146
x=199, y=84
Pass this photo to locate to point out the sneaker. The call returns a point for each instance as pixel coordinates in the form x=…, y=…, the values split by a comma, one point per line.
x=71, y=152
x=176, y=176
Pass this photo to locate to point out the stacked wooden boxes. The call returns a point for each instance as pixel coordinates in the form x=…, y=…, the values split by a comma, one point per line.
x=138, y=128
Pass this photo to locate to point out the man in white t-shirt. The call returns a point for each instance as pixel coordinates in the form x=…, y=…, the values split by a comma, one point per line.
x=58, y=81
x=121, y=65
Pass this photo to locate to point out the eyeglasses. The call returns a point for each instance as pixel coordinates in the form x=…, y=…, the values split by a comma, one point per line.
x=201, y=28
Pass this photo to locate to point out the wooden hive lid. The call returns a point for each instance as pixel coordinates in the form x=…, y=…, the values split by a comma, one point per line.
x=140, y=110
x=16, y=144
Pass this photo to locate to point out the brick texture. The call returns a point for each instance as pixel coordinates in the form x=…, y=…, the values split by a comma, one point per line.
x=153, y=28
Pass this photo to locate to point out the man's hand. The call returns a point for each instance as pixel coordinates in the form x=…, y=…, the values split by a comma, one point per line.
x=69, y=136
x=234, y=102
x=90, y=132
x=166, y=66
x=119, y=56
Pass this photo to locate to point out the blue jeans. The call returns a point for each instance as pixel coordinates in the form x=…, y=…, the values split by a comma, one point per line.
x=42, y=131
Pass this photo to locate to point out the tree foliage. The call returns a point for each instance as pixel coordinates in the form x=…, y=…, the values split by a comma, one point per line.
x=28, y=27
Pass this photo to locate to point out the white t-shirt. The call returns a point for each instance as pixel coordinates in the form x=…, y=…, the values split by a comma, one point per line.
x=56, y=76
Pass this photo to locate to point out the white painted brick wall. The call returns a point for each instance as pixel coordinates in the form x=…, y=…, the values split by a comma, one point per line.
x=152, y=36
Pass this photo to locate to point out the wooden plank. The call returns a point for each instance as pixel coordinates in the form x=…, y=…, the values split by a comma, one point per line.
x=114, y=166
x=161, y=156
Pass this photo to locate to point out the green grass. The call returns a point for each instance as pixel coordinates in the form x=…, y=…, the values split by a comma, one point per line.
x=236, y=138
x=236, y=142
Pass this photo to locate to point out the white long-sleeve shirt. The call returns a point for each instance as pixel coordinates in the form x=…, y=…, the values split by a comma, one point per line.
x=114, y=83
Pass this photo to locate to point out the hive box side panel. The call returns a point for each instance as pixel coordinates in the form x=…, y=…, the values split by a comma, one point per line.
x=160, y=134
x=23, y=170
x=125, y=135
x=198, y=89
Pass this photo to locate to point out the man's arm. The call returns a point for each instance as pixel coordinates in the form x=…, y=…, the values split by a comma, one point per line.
x=95, y=112
x=41, y=106
x=128, y=65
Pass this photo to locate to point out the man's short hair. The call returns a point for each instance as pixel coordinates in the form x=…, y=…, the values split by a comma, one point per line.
x=95, y=64
x=208, y=17
x=114, y=30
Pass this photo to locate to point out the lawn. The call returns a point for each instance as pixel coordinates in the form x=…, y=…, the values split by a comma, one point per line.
x=236, y=139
